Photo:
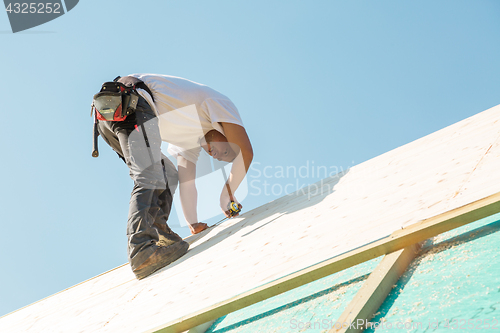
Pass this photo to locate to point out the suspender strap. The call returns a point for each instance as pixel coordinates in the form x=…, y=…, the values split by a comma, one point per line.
x=142, y=85
x=131, y=81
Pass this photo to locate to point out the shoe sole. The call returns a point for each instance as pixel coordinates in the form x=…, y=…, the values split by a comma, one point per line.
x=178, y=250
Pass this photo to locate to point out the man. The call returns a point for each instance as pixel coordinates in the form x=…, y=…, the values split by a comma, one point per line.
x=188, y=115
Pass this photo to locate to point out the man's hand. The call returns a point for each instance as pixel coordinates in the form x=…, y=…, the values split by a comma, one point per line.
x=197, y=227
x=225, y=201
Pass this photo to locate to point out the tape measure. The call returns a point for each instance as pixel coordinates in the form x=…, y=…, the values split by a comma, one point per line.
x=233, y=208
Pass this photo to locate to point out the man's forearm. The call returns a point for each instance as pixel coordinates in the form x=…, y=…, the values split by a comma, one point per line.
x=238, y=172
x=189, y=200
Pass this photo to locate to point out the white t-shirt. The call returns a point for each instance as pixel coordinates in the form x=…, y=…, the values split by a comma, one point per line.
x=187, y=111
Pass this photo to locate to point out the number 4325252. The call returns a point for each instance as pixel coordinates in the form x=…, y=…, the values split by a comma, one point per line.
x=34, y=8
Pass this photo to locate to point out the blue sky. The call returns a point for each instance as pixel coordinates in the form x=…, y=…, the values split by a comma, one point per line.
x=318, y=83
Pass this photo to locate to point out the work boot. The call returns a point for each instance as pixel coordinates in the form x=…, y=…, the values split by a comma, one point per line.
x=163, y=256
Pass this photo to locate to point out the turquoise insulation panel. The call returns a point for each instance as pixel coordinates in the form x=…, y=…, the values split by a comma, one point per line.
x=453, y=285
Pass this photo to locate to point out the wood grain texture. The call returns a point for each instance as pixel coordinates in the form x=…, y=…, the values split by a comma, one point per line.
x=430, y=176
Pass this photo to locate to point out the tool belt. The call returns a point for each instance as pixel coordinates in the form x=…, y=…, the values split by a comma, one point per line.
x=115, y=101
x=118, y=99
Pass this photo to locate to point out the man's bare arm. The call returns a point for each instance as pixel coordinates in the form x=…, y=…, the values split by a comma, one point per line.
x=238, y=137
x=187, y=189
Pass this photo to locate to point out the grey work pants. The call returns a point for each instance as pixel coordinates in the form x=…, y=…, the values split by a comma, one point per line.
x=137, y=140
